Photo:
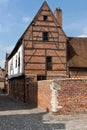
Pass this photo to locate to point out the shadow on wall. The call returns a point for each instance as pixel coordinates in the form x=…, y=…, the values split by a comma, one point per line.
x=29, y=122
x=70, y=50
x=8, y=103
x=31, y=93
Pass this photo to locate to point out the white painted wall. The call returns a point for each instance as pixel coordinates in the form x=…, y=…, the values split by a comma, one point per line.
x=14, y=71
x=54, y=86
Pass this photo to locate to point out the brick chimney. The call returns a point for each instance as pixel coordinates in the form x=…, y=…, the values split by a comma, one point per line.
x=58, y=16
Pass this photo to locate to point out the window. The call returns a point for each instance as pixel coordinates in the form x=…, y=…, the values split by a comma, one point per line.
x=45, y=36
x=16, y=62
x=19, y=59
x=11, y=65
x=41, y=77
x=49, y=63
x=45, y=18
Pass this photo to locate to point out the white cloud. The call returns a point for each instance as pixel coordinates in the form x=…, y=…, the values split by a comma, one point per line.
x=84, y=32
x=6, y=48
x=85, y=29
x=25, y=19
x=4, y=1
x=77, y=29
x=3, y=50
x=2, y=63
x=83, y=35
x=72, y=26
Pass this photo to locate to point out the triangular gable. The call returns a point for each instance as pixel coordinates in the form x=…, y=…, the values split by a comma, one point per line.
x=43, y=7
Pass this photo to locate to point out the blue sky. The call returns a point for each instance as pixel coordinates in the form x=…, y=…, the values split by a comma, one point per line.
x=15, y=16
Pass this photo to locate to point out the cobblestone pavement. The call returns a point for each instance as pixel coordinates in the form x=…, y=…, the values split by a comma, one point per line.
x=15, y=115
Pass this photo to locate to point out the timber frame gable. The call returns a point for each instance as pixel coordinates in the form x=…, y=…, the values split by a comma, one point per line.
x=43, y=41
x=35, y=45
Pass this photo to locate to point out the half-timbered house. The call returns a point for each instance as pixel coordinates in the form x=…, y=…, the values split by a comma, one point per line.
x=44, y=52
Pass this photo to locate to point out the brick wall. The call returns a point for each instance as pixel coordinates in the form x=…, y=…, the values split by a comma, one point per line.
x=71, y=96
x=16, y=88
x=78, y=73
x=39, y=94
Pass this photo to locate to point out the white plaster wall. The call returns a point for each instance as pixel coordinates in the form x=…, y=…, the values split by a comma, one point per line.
x=19, y=69
x=54, y=86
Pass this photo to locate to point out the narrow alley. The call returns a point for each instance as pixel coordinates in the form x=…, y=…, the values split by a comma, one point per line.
x=15, y=115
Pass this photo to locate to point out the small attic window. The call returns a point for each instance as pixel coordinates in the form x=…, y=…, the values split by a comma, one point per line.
x=45, y=17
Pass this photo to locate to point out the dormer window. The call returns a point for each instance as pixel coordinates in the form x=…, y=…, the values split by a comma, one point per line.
x=45, y=17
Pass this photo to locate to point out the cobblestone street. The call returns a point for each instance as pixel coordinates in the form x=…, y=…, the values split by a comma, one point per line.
x=15, y=115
